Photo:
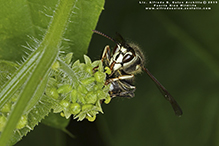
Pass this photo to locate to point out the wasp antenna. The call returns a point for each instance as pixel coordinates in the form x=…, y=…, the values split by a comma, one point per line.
x=120, y=38
x=106, y=36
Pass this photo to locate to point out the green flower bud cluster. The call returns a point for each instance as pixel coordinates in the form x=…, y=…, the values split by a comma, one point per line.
x=4, y=113
x=78, y=89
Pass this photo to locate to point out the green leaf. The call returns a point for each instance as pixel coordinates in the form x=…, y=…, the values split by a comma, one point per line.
x=57, y=121
x=20, y=19
x=84, y=18
x=50, y=19
x=6, y=70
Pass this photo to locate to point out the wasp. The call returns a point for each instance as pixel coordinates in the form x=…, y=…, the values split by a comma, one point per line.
x=125, y=61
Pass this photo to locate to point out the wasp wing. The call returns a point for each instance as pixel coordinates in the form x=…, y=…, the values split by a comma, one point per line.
x=166, y=94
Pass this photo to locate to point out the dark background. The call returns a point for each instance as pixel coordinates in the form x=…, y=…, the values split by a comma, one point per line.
x=182, y=52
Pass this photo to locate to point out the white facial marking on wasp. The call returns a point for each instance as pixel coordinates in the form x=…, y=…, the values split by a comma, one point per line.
x=118, y=56
x=117, y=66
x=123, y=50
x=119, y=59
x=118, y=46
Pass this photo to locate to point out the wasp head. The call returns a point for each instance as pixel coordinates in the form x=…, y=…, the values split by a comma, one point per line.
x=128, y=58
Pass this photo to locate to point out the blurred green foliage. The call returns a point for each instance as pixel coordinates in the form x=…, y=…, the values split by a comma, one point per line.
x=182, y=52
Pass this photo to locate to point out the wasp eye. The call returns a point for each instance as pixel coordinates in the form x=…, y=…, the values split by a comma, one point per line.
x=127, y=58
x=116, y=49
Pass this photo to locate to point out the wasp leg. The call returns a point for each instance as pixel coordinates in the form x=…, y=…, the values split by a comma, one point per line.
x=106, y=54
x=122, y=77
x=121, y=86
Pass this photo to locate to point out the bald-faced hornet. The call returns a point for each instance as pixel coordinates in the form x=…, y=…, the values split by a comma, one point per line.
x=125, y=61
